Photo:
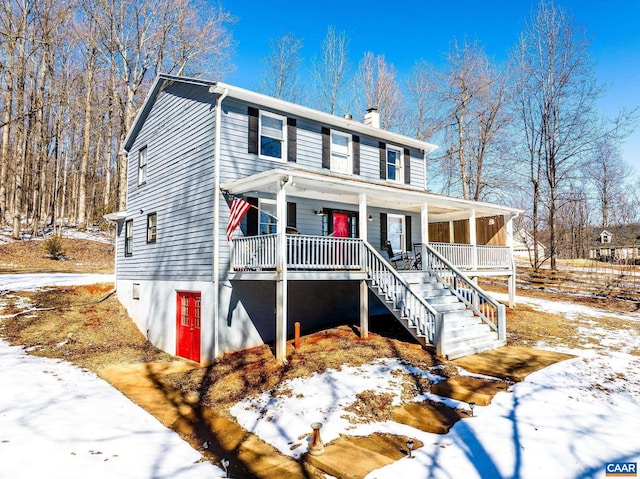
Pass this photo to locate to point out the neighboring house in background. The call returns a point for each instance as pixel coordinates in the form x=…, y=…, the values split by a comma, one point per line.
x=616, y=244
x=326, y=194
x=523, y=246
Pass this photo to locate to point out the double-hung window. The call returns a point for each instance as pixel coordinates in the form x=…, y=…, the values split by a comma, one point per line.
x=394, y=164
x=273, y=136
x=142, y=166
x=128, y=238
x=341, y=152
x=152, y=222
x=267, y=217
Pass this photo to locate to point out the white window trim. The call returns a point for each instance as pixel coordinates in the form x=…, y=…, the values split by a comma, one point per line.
x=349, y=169
x=260, y=209
x=284, y=136
x=400, y=167
x=142, y=167
x=403, y=239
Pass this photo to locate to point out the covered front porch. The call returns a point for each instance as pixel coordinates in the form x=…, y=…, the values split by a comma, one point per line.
x=314, y=251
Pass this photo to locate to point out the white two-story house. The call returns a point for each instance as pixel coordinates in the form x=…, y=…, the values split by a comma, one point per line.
x=341, y=227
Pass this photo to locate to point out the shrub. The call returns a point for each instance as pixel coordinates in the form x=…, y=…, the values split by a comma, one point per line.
x=53, y=247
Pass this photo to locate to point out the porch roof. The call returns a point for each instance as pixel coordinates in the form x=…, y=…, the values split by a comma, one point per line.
x=344, y=189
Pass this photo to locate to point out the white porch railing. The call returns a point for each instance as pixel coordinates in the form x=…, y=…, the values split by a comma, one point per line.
x=418, y=313
x=467, y=256
x=315, y=253
x=484, y=306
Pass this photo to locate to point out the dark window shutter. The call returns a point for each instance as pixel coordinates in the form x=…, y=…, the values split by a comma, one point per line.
x=407, y=233
x=252, y=217
x=253, y=130
x=326, y=148
x=291, y=214
x=355, y=145
x=383, y=229
x=383, y=160
x=407, y=166
x=292, y=139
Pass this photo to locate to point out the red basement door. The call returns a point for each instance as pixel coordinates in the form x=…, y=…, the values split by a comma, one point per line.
x=188, y=325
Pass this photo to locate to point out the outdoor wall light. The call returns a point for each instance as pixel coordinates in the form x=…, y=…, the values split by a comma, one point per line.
x=471, y=406
x=320, y=212
x=225, y=465
x=370, y=218
x=410, y=445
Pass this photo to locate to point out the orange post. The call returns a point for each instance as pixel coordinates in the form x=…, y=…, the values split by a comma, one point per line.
x=297, y=333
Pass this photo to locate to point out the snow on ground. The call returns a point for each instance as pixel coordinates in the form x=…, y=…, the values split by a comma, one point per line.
x=58, y=421
x=32, y=281
x=566, y=421
x=92, y=233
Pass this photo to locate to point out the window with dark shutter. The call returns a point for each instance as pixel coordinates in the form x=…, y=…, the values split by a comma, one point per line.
x=326, y=148
x=382, y=147
x=356, y=154
x=292, y=140
x=253, y=130
x=407, y=167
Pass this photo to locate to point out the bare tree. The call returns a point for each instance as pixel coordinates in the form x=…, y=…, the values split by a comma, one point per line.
x=329, y=71
x=468, y=111
x=282, y=66
x=557, y=95
x=607, y=174
x=377, y=88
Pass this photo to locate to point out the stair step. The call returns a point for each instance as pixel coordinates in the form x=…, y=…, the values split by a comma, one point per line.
x=467, y=330
x=450, y=307
x=453, y=353
x=441, y=299
x=463, y=314
x=468, y=342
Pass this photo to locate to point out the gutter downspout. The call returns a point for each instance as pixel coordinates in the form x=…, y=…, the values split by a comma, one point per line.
x=216, y=224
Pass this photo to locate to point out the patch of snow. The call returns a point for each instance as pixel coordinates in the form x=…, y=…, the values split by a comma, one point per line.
x=33, y=281
x=60, y=422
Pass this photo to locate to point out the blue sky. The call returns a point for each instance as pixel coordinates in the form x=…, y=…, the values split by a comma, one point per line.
x=406, y=31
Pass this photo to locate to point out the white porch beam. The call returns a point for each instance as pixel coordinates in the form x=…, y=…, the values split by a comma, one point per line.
x=364, y=290
x=473, y=240
x=281, y=269
x=424, y=232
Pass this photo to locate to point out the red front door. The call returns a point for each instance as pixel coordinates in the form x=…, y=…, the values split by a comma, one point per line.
x=340, y=225
x=188, y=325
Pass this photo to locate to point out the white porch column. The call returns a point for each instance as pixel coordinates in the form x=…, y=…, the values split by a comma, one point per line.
x=363, y=220
x=508, y=224
x=281, y=270
x=424, y=233
x=451, y=232
x=473, y=241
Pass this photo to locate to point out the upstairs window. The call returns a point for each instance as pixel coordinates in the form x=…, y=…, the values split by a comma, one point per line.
x=394, y=164
x=272, y=136
x=152, y=220
x=128, y=238
x=267, y=217
x=340, y=152
x=142, y=166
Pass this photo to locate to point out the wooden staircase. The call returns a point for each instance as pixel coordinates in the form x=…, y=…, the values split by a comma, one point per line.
x=455, y=318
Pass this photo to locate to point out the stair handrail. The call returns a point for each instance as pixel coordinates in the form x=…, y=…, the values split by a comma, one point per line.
x=423, y=316
x=477, y=301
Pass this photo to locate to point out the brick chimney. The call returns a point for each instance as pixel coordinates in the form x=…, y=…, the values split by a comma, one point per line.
x=372, y=118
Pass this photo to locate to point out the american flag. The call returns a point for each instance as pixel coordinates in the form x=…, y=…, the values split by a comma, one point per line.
x=239, y=208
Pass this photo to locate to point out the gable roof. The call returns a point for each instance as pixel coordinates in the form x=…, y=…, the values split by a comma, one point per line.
x=621, y=235
x=216, y=87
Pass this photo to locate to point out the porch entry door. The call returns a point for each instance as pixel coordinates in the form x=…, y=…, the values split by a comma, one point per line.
x=396, y=232
x=340, y=225
x=189, y=308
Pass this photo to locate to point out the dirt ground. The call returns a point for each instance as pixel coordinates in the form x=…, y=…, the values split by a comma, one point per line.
x=80, y=256
x=88, y=327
